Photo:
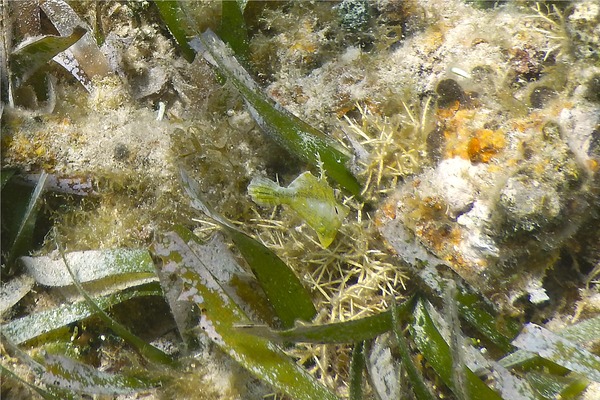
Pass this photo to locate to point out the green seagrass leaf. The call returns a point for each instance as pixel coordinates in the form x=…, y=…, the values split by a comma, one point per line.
x=220, y=315
x=289, y=298
x=437, y=352
x=173, y=16
x=33, y=54
x=292, y=133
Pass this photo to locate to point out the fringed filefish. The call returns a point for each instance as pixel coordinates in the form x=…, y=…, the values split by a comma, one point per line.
x=311, y=198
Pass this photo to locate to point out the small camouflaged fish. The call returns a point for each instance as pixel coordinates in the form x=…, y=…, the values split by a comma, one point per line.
x=308, y=196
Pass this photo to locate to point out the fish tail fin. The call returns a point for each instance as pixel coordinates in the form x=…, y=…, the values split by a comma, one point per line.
x=264, y=192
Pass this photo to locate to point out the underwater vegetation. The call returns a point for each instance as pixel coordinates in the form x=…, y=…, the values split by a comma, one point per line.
x=435, y=236
x=310, y=197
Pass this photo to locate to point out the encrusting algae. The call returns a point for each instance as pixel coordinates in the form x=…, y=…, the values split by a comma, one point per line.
x=311, y=198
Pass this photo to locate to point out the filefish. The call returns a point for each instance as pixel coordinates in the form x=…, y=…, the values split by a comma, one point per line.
x=311, y=198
